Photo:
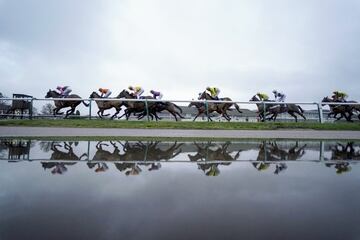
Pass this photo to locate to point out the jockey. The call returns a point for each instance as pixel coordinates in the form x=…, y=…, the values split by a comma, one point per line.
x=136, y=91
x=262, y=96
x=339, y=96
x=214, y=92
x=279, y=96
x=64, y=91
x=156, y=94
x=104, y=92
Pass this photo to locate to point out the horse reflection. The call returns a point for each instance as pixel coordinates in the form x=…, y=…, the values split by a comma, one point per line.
x=57, y=167
x=149, y=151
x=129, y=168
x=345, y=152
x=272, y=152
x=105, y=155
x=340, y=151
x=65, y=154
x=213, y=152
x=210, y=169
x=100, y=167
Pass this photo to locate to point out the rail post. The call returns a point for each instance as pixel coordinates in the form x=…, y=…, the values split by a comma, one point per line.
x=88, y=150
x=90, y=101
x=264, y=111
x=320, y=112
x=147, y=109
x=31, y=108
x=207, y=110
x=322, y=147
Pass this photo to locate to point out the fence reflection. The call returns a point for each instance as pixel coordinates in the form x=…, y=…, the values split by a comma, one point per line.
x=133, y=157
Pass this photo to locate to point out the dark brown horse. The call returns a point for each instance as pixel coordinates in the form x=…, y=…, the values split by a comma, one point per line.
x=104, y=105
x=59, y=104
x=261, y=112
x=222, y=107
x=274, y=109
x=153, y=107
x=172, y=108
x=200, y=106
x=345, y=111
x=136, y=106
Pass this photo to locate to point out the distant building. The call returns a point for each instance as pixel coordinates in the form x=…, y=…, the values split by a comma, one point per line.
x=4, y=108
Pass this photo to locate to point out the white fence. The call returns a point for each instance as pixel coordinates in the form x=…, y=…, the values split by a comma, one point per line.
x=314, y=111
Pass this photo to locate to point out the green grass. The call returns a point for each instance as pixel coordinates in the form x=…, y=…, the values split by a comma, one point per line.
x=82, y=123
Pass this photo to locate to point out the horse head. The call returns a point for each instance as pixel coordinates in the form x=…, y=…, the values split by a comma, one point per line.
x=52, y=94
x=202, y=95
x=49, y=94
x=326, y=100
x=124, y=94
x=254, y=98
x=94, y=95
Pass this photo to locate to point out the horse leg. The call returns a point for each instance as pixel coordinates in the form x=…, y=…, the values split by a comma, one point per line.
x=156, y=117
x=348, y=118
x=56, y=111
x=275, y=116
x=227, y=115
x=141, y=116
x=116, y=113
x=68, y=112
x=121, y=116
x=128, y=113
x=302, y=115
x=292, y=114
x=172, y=113
x=98, y=113
x=179, y=115
x=224, y=114
x=261, y=117
x=201, y=113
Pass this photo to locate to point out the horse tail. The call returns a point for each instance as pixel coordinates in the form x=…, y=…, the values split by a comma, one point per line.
x=181, y=111
x=237, y=108
x=86, y=104
x=301, y=110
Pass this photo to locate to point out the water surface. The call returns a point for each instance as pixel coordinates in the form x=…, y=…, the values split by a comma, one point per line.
x=179, y=190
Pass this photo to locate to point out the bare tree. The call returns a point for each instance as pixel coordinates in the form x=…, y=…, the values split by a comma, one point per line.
x=47, y=109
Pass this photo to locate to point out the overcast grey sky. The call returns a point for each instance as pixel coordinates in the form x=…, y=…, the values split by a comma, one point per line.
x=305, y=48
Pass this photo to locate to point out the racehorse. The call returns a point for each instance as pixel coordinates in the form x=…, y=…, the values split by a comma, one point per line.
x=168, y=106
x=108, y=104
x=59, y=104
x=276, y=109
x=153, y=107
x=262, y=113
x=341, y=109
x=136, y=106
x=200, y=106
x=222, y=107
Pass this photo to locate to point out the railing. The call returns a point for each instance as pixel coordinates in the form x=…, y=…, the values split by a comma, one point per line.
x=318, y=106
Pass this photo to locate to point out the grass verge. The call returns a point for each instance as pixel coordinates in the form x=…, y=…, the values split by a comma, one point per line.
x=82, y=123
